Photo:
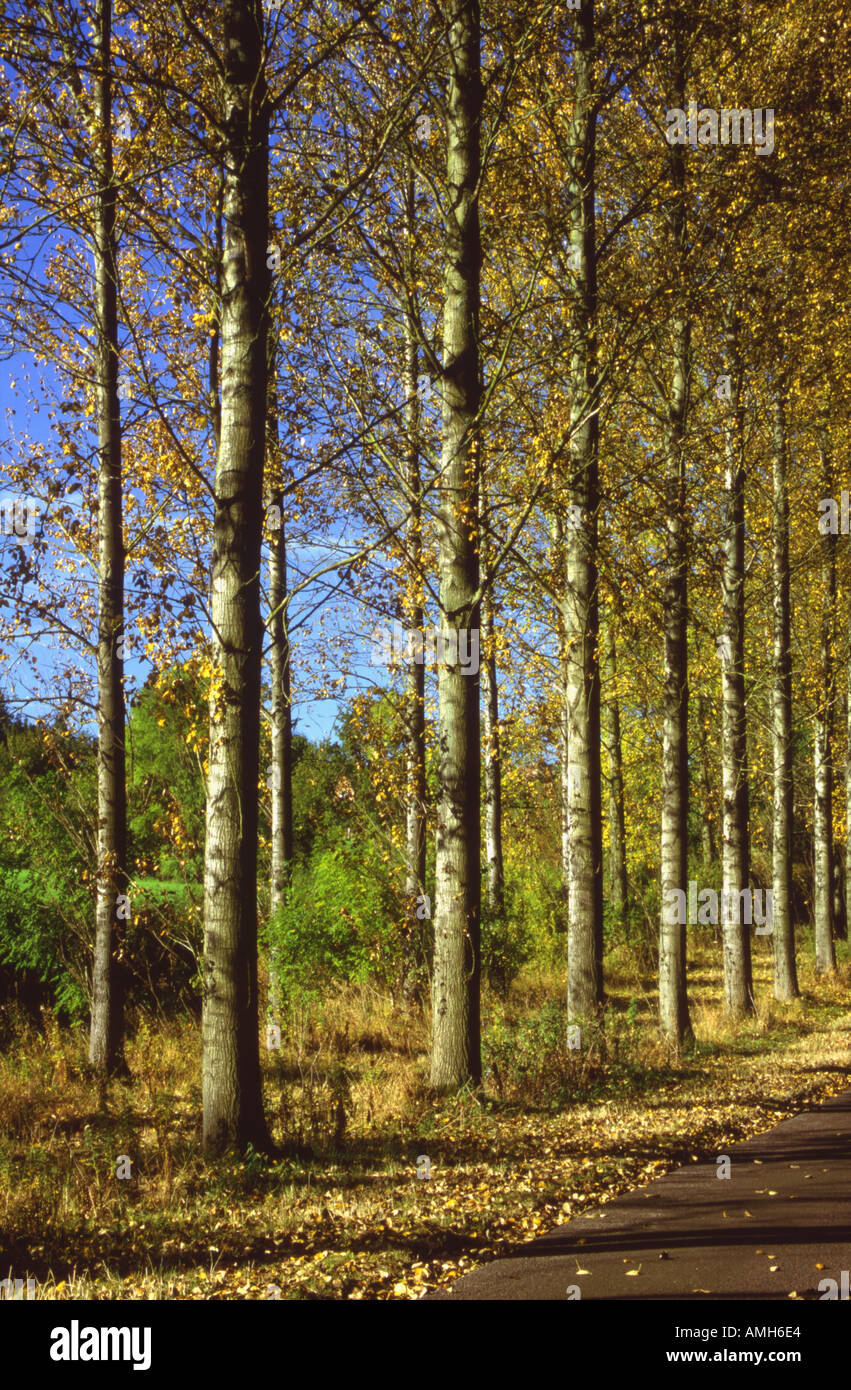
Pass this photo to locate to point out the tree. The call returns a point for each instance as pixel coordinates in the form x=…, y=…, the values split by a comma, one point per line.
x=581, y=605
x=785, y=971
x=673, y=998
x=823, y=852
x=492, y=764
x=618, y=883
x=231, y=1084
x=281, y=767
x=738, y=981
x=456, y=1040
x=105, y=1045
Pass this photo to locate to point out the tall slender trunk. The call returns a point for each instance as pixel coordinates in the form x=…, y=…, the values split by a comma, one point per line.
x=105, y=1041
x=840, y=919
x=281, y=779
x=557, y=530
x=822, y=756
x=231, y=1085
x=214, y=352
x=708, y=846
x=490, y=706
x=414, y=710
x=281, y=723
x=456, y=1040
x=785, y=971
x=673, y=997
x=581, y=604
x=564, y=775
x=618, y=885
x=735, y=852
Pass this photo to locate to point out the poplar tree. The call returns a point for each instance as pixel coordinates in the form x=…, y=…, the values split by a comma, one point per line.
x=231, y=1084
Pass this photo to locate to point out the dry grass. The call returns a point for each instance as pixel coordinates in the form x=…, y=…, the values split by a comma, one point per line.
x=343, y=1213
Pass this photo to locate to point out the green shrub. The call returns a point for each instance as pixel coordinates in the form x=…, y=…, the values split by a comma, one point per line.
x=507, y=944
x=342, y=921
x=531, y=1059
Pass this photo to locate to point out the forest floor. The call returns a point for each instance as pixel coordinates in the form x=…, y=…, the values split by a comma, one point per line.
x=384, y=1192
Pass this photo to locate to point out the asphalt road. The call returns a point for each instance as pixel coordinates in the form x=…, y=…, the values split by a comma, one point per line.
x=762, y=1233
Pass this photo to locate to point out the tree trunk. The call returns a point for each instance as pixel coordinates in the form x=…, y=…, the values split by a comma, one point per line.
x=785, y=972
x=456, y=1041
x=619, y=887
x=823, y=763
x=673, y=996
x=281, y=725
x=105, y=1042
x=231, y=1085
x=414, y=714
x=581, y=604
x=492, y=765
x=280, y=772
x=557, y=529
x=738, y=977
x=708, y=846
x=840, y=919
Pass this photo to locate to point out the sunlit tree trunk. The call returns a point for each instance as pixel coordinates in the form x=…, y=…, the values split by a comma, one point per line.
x=231, y=1086
x=673, y=998
x=557, y=532
x=280, y=772
x=618, y=885
x=708, y=846
x=785, y=971
x=738, y=978
x=823, y=764
x=581, y=603
x=112, y=907
x=456, y=1039
x=415, y=726
x=490, y=708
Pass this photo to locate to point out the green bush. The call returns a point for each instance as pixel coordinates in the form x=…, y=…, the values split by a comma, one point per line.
x=342, y=921
x=507, y=944
x=532, y=1059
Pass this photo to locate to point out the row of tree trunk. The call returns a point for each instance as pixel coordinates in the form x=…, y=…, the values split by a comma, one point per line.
x=246, y=431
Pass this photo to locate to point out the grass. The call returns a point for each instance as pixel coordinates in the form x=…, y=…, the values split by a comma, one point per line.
x=343, y=1213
